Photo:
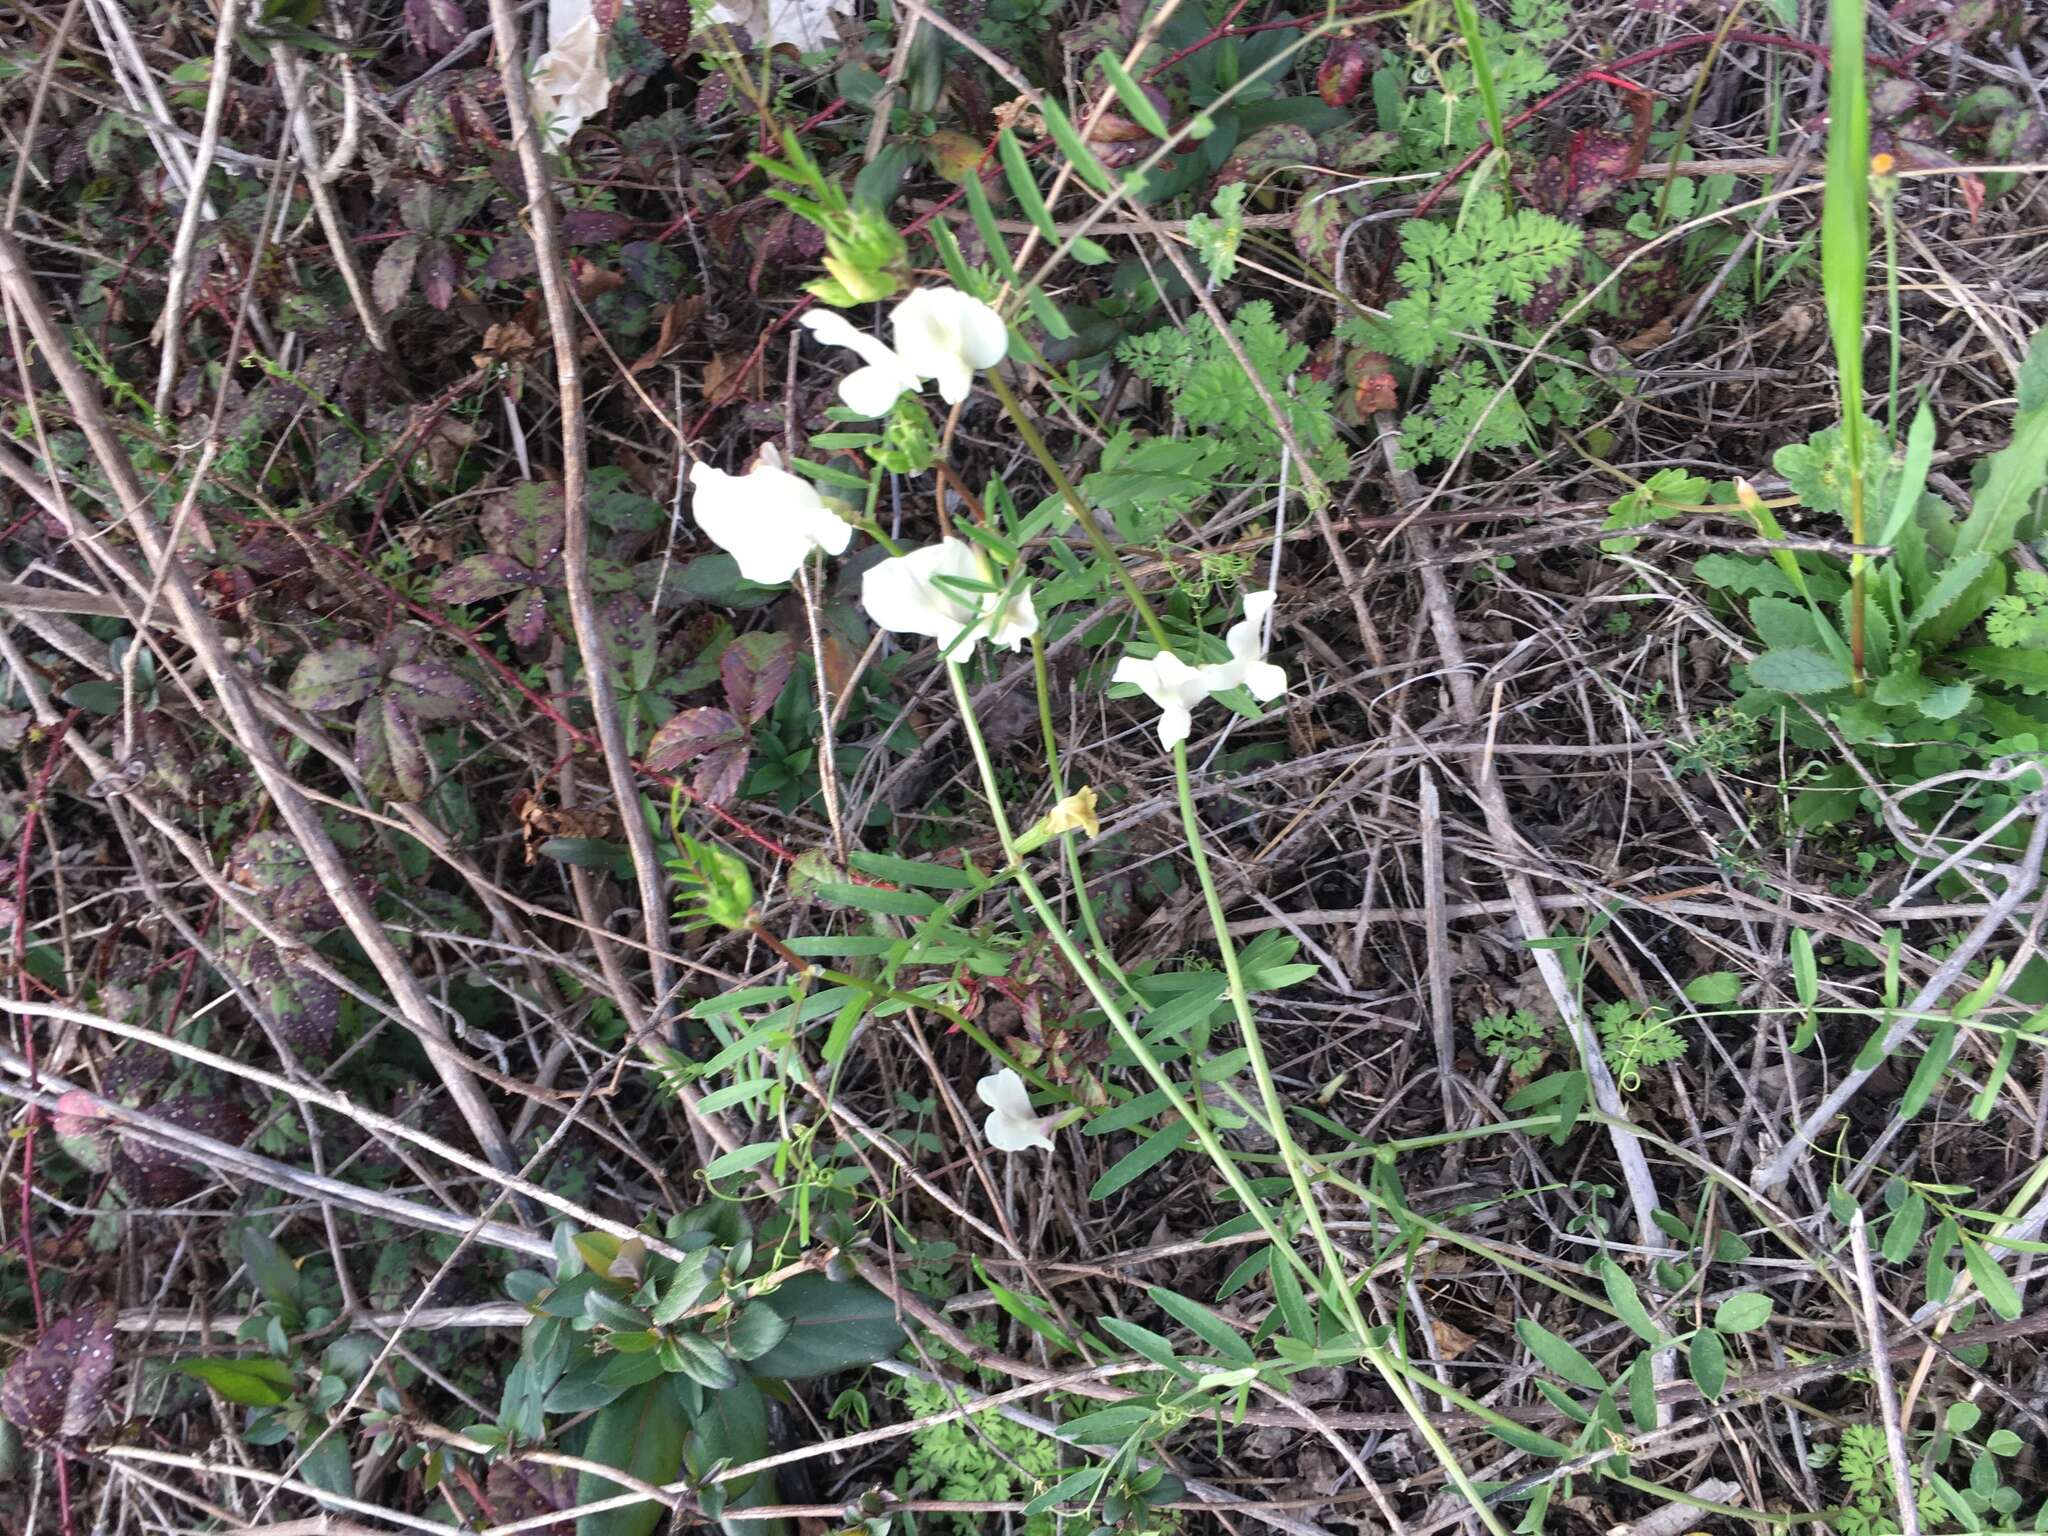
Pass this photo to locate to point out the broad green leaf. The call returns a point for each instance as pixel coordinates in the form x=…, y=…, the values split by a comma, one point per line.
x=1902, y=1232
x=1152, y=1346
x=1953, y=592
x=640, y=1433
x=1628, y=1304
x=2016, y=471
x=254, y=1381
x=1558, y=1355
x=2024, y=670
x=1716, y=989
x=1991, y=1281
x=1147, y=1155
x=1707, y=1358
x=833, y=1325
x=1799, y=669
x=1919, y=459
x=1204, y=1324
x=1742, y=1312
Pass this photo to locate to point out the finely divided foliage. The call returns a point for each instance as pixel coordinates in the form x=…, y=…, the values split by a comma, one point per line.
x=805, y=766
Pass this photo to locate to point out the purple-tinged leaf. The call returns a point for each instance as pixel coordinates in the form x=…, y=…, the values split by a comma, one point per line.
x=83, y=1130
x=627, y=629
x=477, y=577
x=433, y=690
x=153, y=1176
x=666, y=24
x=389, y=752
x=712, y=739
x=391, y=281
x=334, y=678
x=439, y=273
x=1276, y=147
x=56, y=1387
x=1596, y=165
x=302, y=1007
x=1343, y=71
x=527, y=523
x=526, y=620
x=592, y=226
x=434, y=26
x=754, y=669
x=524, y=1490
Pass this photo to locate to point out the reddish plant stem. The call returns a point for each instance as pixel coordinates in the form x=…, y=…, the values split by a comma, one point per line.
x=25, y=1036
x=1588, y=77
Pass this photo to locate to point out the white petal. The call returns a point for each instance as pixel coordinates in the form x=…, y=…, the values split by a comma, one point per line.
x=871, y=390
x=900, y=595
x=944, y=334
x=1175, y=721
x=1265, y=681
x=564, y=16
x=805, y=25
x=769, y=520
x=1257, y=605
x=1011, y=1126
x=874, y=391
x=1016, y=622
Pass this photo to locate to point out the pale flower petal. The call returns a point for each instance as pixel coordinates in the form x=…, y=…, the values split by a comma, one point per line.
x=1264, y=681
x=1171, y=684
x=573, y=80
x=868, y=391
x=902, y=594
x=768, y=519
x=944, y=334
x=1011, y=1125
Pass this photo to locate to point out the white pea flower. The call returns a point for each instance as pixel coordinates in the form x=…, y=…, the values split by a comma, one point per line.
x=573, y=81
x=1170, y=683
x=1248, y=664
x=768, y=519
x=1011, y=1126
x=872, y=390
x=903, y=594
x=1177, y=687
x=941, y=333
x=944, y=334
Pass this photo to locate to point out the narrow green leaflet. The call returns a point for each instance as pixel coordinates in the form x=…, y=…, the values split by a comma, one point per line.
x=1627, y=1303
x=1558, y=1355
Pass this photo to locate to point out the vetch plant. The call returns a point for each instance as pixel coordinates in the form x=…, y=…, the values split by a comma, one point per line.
x=941, y=334
x=946, y=590
x=768, y=519
x=1177, y=687
x=1012, y=1125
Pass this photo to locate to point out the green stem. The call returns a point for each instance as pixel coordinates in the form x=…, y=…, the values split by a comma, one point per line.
x=1389, y=1370
x=1067, y=848
x=1028, y=430
x=1255, y=1049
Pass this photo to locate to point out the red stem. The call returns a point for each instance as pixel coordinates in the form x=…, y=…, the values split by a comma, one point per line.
x=25, y=1035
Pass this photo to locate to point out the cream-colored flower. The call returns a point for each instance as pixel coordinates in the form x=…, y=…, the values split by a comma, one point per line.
x=941, y=333
x=1011, y=1125
x=768, y=519
x=806, y=25
x=912, y=594
x=872, y=390
x=1248, y=664
x=944, y=334
x=1076, y=813
x=1170, y=683
x=1177, y=687
x=573, y=81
